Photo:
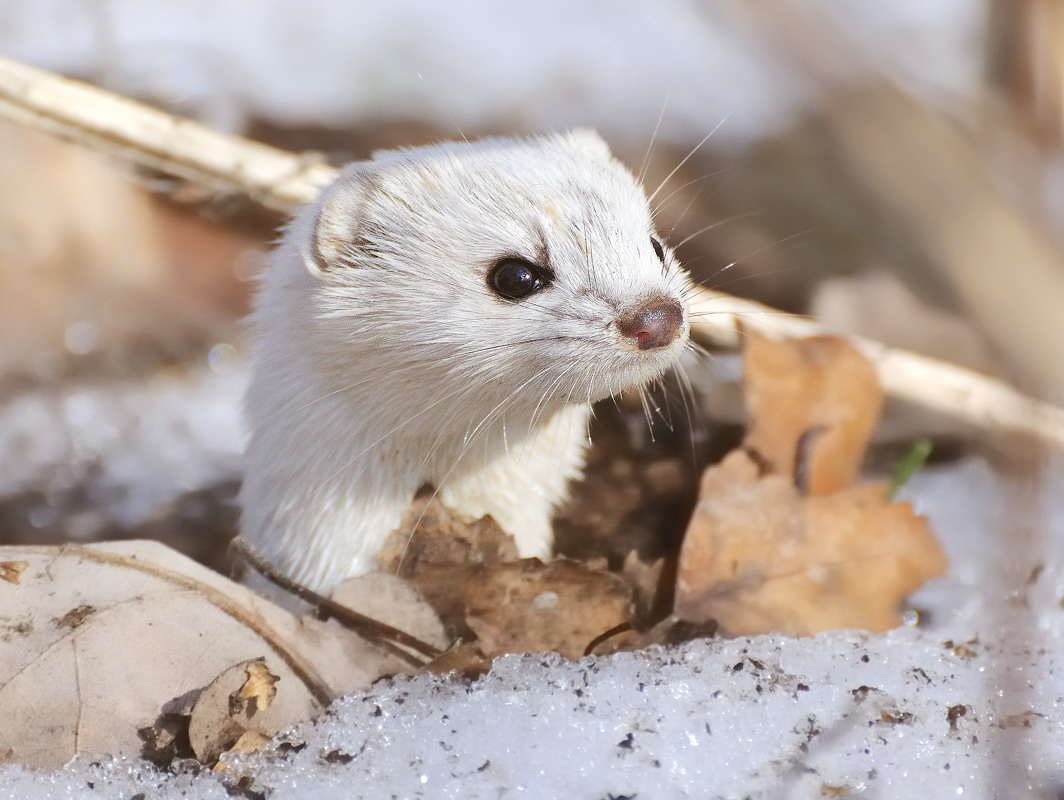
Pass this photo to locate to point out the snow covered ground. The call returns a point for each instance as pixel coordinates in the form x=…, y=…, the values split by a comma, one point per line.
x=970, y=703
x=132, y=446
x=902, y=715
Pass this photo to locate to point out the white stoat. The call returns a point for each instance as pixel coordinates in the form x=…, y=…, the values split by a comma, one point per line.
x=446, y=315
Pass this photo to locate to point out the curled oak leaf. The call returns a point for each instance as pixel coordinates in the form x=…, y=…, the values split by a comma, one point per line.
x=256, y=693
x=819, y=391
x=238, y=702
x=11, y=571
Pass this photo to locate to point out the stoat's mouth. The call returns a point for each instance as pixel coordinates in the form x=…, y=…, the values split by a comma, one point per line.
x=637, y=367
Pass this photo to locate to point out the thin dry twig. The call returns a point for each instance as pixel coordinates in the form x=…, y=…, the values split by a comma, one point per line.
x=101, y=120
x=132, y=131
x=385, y=635
x=937, y=385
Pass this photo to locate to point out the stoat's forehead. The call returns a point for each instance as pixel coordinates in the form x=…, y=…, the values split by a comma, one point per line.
x=556, y=201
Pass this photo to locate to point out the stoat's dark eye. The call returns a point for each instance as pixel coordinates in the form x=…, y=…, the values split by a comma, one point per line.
x=514, y=278
x=659, y=251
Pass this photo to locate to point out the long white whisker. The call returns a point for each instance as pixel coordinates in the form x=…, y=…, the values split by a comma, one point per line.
x=761, y=249
x=723, y=171
x=686, y=158
x=713, y=225
x=653, y=138
x=547, y=393
x=695, y=422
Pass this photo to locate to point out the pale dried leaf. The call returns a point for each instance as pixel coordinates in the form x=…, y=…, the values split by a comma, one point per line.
x=99, y=644
x=393, y=601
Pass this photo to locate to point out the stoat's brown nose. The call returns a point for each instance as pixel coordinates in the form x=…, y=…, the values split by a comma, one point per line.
x=654, y=325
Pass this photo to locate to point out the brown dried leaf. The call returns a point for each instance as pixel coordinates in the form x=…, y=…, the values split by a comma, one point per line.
x=670, y=631
x=785, y=543
x=530, y=606
x=759, y=558
x=469, y=573
x=821, y=392
x=645, y=581
x=440, y=554
x=431, y=533
x=466, y=660
x=11, y=571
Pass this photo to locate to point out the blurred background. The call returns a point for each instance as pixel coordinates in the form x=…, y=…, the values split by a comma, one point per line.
x=894, y=169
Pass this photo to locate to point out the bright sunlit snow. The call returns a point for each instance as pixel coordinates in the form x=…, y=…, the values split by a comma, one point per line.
x=969, y=706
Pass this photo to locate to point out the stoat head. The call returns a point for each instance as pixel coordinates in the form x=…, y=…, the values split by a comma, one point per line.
x=526, y=267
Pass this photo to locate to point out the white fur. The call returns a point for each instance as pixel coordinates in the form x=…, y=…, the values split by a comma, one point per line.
x=384, y=362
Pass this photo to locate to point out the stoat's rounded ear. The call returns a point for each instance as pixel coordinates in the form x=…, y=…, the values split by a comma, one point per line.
x=588, y=142
x=335, y=220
